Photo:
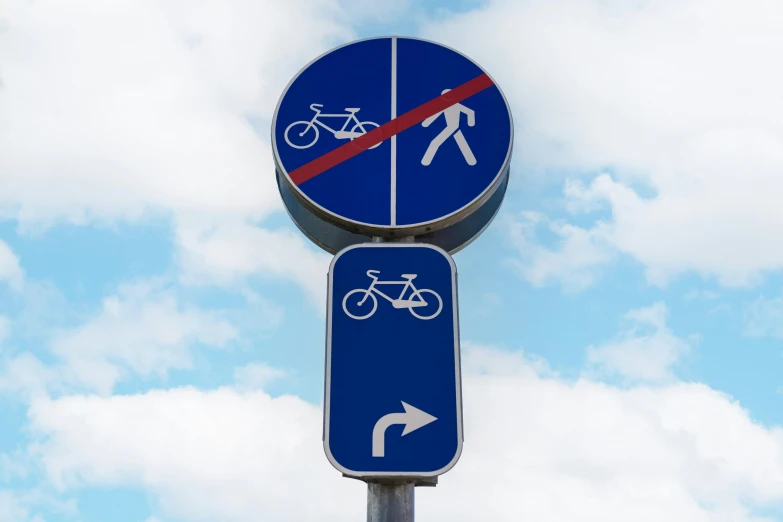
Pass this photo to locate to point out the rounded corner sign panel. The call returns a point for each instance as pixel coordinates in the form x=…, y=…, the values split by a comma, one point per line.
x=392, y=132
x=393, y=395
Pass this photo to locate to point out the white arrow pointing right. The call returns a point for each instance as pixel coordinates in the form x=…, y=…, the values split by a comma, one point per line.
x=413, y=418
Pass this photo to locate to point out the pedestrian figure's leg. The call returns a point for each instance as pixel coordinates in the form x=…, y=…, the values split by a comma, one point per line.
x=437, y=141
x=465, y=148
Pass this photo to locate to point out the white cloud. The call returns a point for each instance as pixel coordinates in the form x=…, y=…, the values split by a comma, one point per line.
x=135, y=110
x=10, y=270
x=681, y=452
x=20, y=505
x=230, y=252
x=377, y=10
x=576, y=261
x=11, y=508
x=27, y=376
x=255, y=376
x=706, y=295
x=676, y=98
x=141, y=329
x=764, y=318
x=209, y=455
x=139, y=107
x=13, y=465
x=257, y=313
x=5, y=328
x=645, y=351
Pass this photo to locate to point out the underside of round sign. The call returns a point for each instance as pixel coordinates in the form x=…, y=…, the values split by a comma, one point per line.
x=392, y=137
x=333, y=238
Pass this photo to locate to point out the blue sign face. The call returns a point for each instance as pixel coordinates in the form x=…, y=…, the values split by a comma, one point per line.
x=393, y=394
x=443, y=137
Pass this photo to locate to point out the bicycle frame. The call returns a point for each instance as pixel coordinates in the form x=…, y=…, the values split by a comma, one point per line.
x=348, y=117
x=376, y=282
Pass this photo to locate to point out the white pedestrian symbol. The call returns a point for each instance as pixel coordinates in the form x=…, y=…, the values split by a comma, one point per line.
x=363, y=310
x=452, y=115
x=298, y=134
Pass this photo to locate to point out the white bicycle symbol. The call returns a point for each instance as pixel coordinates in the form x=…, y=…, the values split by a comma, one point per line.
x=415, y=300
x=302, y=128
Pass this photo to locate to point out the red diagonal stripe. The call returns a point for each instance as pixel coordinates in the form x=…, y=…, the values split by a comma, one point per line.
x=387, y=130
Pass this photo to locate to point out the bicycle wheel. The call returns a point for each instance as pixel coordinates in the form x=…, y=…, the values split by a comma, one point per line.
x=359, y=308
x=365, y=127
x=431, y=316
x=302, y=137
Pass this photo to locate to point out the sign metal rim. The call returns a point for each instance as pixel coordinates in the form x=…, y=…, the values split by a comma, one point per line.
x=392, y=230
x=327, y=368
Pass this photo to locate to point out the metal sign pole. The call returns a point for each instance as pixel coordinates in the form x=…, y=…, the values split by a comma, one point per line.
x=390, y=502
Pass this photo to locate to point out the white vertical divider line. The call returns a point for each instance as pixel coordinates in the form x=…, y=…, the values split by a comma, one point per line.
x=394, y=138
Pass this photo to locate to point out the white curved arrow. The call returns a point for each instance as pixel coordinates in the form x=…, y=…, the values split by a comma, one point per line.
x=413, y=418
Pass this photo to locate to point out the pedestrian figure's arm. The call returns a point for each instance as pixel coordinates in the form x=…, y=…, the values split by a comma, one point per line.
x=428, y=121
x=471, y=115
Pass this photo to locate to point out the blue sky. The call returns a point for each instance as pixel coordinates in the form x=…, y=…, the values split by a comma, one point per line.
x=162, y=322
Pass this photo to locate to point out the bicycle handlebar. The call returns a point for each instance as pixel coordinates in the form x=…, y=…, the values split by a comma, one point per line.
x=314, y=105
x=371, y=272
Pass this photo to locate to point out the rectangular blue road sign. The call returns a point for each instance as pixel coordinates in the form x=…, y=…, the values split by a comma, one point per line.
x=393, y=393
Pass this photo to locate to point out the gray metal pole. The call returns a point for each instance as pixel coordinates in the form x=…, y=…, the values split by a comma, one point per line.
x=390, y=502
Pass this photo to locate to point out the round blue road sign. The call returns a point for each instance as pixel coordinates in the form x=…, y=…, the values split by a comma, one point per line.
x=392, y=137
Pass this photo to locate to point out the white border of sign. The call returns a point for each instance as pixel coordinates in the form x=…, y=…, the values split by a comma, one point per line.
x=328, y=367
x=393, y=230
